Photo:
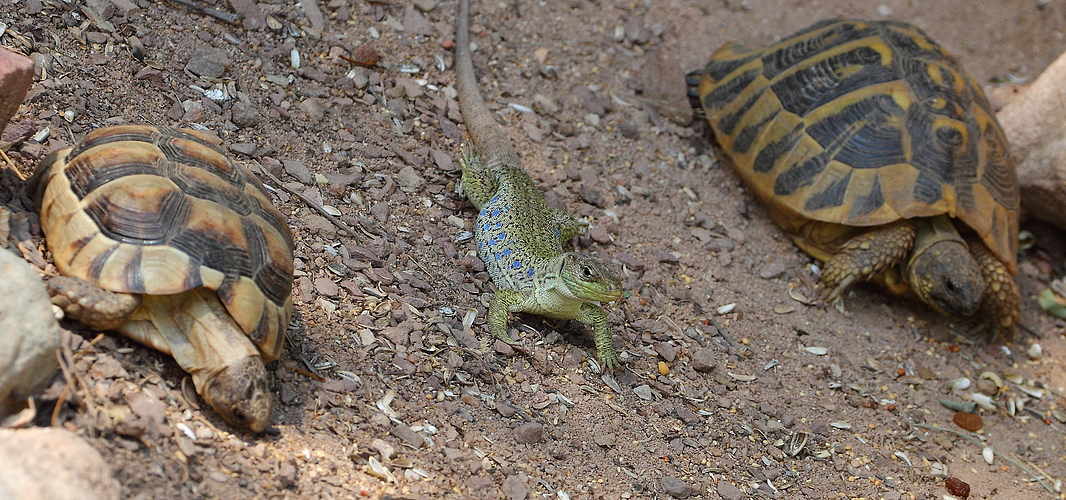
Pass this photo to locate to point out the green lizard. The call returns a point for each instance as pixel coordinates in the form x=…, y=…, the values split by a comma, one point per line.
x=518, y=237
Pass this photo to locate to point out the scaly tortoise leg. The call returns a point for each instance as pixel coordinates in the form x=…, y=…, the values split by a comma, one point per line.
x=865, y=256
x=91, y=305
x=1001, y=303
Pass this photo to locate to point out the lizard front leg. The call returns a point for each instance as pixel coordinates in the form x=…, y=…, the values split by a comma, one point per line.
x=593, y=315
x=567, y=225
x=503, y=303
x=866, y=255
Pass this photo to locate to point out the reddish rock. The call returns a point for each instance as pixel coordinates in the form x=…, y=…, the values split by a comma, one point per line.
x=16, y=76
x=969, y=421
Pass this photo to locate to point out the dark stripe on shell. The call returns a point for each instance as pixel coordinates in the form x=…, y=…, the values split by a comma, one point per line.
x=99, y=261
x=821, y=81
x=831, y=196
x=183, y=148
x=785, y=58
x=272, y=280
x=84, y=178
x=1000, y=178
x=801, y=175
x=728, y=123
x=866, y=134
x=726, y=93
x=868, y=203
x=718, y=70
x=743, y=141
x=767, y=157
x=113, y=134
x=228, y=194
x=139, y=225
x=927, y=189
x=133, y=275
x=901, y=37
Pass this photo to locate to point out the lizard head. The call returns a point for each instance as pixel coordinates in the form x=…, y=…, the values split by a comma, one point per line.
x=589, y=277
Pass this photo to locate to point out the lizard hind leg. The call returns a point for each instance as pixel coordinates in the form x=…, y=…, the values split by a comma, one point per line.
x=865, y=256
x=478, y=183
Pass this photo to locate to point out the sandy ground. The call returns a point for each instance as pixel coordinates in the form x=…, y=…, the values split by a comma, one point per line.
x=769, y=398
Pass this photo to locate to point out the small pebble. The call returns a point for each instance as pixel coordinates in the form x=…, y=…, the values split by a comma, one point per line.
x=703, y=360
x=957, y=487
x=675, y=487
x=529, y=433
x=969, y=421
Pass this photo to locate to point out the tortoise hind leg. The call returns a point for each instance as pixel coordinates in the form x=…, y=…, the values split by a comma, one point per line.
x=91, y=305
x=866, y=255
x=1001, y=303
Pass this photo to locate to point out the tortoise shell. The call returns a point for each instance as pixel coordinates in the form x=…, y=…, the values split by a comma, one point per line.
x=159, y=211
x=862, y=123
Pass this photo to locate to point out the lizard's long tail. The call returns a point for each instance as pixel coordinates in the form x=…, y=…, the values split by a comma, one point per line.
x=489, y=140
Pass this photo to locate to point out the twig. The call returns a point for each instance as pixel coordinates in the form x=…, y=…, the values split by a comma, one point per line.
x=998, y=454
x=63, y=395
x=227, y=17
x=725, y=335
x=318, y=208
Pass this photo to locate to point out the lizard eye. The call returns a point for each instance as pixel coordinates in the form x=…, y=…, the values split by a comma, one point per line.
x=586, y=271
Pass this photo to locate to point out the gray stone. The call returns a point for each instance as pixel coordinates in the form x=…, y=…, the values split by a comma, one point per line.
x=514, y=487
x=52, y=464
x=29, y=335
x=727, y=491
x=703, y=360
x=208, y=62
x=415, y=23
x=314, y=108
x=529, y=433
x=675, y=487
x=299, y=170
x=425, y=5
x=244, y=115
x=409, y=180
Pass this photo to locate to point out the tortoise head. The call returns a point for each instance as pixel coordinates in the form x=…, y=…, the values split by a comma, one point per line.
x=946, y=276
x=590, y=277
x=239, y=394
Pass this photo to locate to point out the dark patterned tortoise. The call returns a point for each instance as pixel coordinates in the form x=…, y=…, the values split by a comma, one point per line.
x=879, y=156
x=161, y=236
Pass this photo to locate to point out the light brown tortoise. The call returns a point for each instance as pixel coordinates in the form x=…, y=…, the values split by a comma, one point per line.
x=159, y=235
x=878, y=155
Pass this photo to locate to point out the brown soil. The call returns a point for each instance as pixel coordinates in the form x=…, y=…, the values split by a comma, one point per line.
x=409, y=406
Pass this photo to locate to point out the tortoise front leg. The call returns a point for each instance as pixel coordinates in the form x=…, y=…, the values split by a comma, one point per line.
x=91, y=305
x=865, y=256
x=1001, y=303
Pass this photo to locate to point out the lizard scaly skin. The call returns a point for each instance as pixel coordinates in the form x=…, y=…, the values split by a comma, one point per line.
x=518, y=237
